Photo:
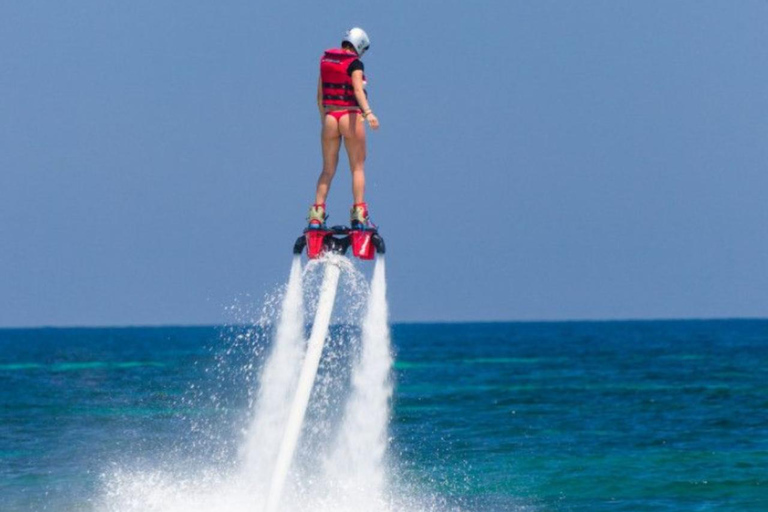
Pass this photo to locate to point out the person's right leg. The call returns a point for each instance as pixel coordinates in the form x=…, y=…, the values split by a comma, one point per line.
x=352, y=128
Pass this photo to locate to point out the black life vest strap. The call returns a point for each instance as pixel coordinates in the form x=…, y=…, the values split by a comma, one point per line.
x=328, y=85
x=341, y=97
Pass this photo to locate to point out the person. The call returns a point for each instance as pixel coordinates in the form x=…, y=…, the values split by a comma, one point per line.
x=344, y=109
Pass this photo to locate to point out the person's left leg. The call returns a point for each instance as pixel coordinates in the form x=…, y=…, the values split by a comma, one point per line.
x=331, y=143
x=330, y=139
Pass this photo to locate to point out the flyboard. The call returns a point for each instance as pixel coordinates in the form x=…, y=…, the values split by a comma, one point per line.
x=365, y=244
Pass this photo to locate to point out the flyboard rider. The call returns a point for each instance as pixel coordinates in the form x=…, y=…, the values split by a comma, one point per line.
x=344, y=108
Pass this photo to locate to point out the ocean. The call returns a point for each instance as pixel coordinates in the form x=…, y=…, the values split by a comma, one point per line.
x=571, y=416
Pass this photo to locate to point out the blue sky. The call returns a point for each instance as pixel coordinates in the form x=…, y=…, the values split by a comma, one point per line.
x=537, y=160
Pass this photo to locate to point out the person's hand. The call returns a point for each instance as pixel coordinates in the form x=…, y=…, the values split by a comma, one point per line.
x=373, y=121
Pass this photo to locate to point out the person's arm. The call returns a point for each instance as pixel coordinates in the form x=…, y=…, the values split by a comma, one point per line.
x=357, y=85
x=320, y=98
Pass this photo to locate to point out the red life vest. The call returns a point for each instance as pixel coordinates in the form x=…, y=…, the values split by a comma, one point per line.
x=336, y=83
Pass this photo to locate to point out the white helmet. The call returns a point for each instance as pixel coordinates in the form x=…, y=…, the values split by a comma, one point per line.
x=357, y=38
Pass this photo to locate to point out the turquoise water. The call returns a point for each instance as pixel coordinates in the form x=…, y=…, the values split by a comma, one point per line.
x=615, y=416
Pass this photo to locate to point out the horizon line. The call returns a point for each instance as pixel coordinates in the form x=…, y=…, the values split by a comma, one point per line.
x=407, y=322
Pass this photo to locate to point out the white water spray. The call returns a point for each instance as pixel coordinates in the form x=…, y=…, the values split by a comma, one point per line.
x=350, y=447
x=277, y=383
x=306, y=382
x=356, y=466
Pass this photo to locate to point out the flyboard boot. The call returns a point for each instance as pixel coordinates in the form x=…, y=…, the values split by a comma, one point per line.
x=362, y=231
x=317, y=216
x=363, y=235
x=359, y=218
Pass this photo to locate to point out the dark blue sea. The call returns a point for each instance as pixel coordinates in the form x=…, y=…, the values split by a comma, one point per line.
x=575, y=416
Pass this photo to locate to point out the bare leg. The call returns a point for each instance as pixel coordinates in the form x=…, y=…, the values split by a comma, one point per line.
x=352, y=127
x=331, y=142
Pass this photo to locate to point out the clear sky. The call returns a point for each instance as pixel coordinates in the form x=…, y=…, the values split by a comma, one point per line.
x=536, y=160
